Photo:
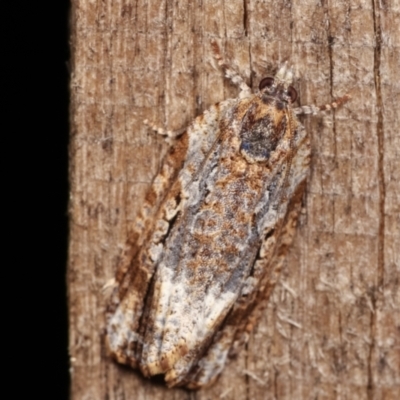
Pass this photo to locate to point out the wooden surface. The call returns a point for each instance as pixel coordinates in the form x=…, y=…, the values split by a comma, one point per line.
x=332, y=327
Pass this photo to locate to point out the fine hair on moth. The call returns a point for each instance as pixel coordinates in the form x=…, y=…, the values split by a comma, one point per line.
x=207, y=248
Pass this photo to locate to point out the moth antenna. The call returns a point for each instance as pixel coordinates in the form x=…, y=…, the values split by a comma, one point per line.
x=313, y=109
x=230, y=73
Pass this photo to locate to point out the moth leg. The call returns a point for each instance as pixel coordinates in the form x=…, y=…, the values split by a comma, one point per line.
x=163, y=132
x=231, y=74
x=313, y=109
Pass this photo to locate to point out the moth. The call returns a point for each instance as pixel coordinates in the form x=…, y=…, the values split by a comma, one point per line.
x=207, y=249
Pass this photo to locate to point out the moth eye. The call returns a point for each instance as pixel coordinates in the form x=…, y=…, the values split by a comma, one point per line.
x=292, y=94
x=266, y=82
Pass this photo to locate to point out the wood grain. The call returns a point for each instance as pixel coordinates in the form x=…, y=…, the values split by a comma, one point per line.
x=332, y=327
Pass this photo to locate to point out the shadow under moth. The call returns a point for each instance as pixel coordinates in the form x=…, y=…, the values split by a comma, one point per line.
x=207, y=249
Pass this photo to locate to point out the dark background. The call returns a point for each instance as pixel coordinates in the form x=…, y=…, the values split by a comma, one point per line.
x=62, y=189
x=60, y=223
x=35, y=156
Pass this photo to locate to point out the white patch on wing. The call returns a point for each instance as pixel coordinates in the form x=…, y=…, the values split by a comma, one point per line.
x=155, y=252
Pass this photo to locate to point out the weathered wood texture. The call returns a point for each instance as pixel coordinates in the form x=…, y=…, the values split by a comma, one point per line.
x=332, y=327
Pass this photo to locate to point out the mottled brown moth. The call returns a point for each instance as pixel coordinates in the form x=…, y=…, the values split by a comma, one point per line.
x=209, y=244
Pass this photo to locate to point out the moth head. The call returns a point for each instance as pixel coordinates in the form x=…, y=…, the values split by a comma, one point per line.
x=279, y=87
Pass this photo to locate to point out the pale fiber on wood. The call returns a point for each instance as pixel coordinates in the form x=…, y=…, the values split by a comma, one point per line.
x=332, y=326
